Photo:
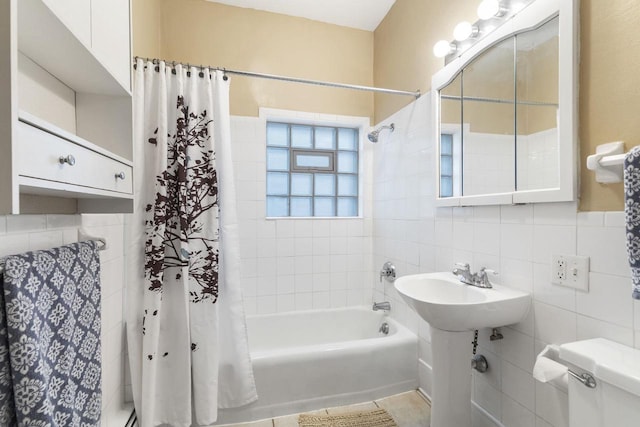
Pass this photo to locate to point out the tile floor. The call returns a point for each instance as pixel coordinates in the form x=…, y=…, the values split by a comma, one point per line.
x=408, y=409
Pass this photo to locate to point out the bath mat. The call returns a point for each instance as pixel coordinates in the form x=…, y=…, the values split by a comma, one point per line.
x=374, y=418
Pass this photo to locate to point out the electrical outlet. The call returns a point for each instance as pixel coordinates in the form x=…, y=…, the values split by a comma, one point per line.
x=570, y=271
x=559, y=265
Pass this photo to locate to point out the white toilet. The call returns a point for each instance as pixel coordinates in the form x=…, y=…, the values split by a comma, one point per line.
x=615, y=401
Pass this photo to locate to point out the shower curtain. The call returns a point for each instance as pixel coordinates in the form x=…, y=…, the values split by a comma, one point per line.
x=186, y=329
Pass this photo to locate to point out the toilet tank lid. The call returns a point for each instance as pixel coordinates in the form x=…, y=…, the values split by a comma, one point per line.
x=606, y=360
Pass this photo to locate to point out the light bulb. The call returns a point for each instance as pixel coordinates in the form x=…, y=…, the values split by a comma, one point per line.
x=488, y=9
x=517, y=6
x=464, y=30
x=442, y=48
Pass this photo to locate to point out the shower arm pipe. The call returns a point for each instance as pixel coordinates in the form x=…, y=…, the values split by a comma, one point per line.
x=415, y=94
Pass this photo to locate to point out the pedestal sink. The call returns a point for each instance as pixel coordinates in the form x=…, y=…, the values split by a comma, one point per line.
x=453, y=310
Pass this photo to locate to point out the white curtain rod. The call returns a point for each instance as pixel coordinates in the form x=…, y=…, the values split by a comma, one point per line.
x=415, y=94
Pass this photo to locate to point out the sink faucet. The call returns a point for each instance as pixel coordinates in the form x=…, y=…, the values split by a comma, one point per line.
x=479, y=279
x=386, y=305
x=464, y=273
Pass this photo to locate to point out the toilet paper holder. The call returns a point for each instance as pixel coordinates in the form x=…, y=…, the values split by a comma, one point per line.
x=585, y=378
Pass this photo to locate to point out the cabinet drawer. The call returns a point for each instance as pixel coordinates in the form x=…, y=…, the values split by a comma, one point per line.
x=39, y=153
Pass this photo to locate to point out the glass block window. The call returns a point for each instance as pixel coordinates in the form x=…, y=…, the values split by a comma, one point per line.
x=446, y=165
x=312, y=170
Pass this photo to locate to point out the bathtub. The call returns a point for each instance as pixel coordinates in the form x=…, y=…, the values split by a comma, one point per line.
x=314, y=359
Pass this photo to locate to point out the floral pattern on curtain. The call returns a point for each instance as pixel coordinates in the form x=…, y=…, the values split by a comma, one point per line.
x=182, y=223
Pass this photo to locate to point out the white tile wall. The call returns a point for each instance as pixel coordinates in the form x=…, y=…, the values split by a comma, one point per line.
x=487, y=156
x=518, y=242
x=296, y=264
x=536, y=154
x=22, y=233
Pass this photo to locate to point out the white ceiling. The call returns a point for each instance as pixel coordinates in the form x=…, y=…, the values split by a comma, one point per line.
x=361, y=14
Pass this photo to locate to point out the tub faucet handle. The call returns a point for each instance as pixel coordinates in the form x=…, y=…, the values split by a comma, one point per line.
x=388, y=271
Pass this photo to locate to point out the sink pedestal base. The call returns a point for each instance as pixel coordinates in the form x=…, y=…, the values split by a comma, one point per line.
x=451, y=387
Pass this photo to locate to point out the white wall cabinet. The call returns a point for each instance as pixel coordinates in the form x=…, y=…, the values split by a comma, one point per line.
x=103, y=26
x=65, y=106
x=75, y=15
x=110, y=34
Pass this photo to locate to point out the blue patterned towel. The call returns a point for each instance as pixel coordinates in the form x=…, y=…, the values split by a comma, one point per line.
x=50, y=371
x=632, y=214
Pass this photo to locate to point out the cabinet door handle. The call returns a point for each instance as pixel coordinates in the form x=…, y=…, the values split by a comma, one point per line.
x=70, y=160
x=120, y=175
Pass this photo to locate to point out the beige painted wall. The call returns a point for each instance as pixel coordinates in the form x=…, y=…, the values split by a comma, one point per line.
x=401, y=53
x=609, y=77
x=609, y=90
x=403, y=46
x=146, y=18
x=201, y=32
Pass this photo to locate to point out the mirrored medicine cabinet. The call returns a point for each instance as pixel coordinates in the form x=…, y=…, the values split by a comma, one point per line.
x=505, y=112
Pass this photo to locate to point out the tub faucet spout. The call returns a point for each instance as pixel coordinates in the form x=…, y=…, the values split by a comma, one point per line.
x=386, y=305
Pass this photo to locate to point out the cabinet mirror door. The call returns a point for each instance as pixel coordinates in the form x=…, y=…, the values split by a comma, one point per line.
x=451, y=139
x=537, y=108
x=489, y=122
x=500, y=125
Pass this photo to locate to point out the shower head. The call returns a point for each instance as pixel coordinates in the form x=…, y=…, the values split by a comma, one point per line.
x=373, y=135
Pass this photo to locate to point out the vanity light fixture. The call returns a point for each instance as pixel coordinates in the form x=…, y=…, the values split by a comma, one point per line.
x=488, y=9
x=491, y=13
x=443, y=48
x=465, y=30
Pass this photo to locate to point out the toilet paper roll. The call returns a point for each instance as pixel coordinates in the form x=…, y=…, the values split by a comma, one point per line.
x=548, y=369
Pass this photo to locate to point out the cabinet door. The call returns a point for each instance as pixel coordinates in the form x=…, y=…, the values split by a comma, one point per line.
x=110, y=37
x=75, y=15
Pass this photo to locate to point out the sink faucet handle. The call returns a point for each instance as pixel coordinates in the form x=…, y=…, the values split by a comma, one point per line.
x=481, y=279
x=464, y=265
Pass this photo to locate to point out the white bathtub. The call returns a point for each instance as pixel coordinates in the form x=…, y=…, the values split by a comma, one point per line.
x=319, y=358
